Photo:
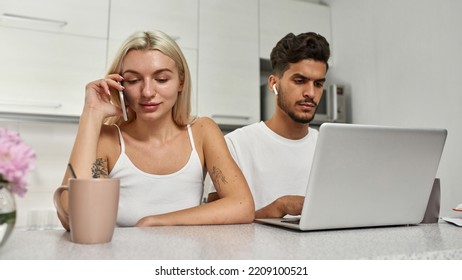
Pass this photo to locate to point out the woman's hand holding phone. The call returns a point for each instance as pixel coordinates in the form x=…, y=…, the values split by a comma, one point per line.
x=98, y=95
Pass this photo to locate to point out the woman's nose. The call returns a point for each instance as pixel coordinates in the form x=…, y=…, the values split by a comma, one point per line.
x=148, y=89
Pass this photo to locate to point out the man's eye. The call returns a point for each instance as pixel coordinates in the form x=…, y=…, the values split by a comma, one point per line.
x=299, y=81
x=319, y=84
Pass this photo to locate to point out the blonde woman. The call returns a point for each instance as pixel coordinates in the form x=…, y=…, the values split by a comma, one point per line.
x=160, y=154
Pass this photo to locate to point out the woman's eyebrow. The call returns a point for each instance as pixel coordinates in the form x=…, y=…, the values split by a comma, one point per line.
x=155, y=72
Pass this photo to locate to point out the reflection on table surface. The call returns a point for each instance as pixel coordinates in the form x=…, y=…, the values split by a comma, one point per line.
x=252, y=241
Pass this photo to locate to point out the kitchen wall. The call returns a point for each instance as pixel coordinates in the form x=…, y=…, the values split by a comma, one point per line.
x=401, y=62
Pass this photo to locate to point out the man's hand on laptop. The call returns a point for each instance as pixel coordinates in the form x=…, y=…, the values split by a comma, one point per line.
x=285, y=205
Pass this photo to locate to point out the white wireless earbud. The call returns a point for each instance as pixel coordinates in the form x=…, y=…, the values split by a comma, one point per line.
x=274, y=89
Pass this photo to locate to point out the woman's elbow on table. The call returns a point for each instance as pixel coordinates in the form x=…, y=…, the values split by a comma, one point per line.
x=249, y=217
x=245, y=211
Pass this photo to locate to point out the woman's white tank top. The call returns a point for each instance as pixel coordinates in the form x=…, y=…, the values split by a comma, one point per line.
x=143, y=194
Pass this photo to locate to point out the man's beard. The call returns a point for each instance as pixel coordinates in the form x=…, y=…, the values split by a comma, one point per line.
x=282, y=103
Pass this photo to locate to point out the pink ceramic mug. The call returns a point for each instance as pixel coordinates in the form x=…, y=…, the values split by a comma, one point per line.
x=92, y=212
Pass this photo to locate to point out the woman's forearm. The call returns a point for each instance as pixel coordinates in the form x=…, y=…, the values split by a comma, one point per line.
x=84, y=152
x=222, y=211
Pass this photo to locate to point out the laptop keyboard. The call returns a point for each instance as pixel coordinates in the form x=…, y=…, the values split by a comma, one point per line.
x=295, y=221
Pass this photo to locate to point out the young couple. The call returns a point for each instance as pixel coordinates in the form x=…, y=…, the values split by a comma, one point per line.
x=161, y=154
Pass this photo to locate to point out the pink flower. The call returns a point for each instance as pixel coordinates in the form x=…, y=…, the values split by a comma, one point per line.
x=16, y=160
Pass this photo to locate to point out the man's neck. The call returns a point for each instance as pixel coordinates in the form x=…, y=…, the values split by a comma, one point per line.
x=287, y=128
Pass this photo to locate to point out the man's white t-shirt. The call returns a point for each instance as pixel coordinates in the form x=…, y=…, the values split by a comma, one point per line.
x=273, y=165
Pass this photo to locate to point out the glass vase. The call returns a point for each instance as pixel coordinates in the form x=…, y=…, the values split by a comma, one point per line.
x=7, y=212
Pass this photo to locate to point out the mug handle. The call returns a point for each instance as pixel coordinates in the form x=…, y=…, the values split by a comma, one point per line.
x=63, y=216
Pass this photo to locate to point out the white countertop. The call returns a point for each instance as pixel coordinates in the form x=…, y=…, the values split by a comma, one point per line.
x=253, y=241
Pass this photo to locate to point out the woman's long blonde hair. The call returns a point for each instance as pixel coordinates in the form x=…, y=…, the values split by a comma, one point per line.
x=155, y=40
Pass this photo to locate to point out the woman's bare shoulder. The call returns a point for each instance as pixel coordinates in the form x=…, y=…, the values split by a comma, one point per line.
x=203, y=121
x=108, y=131
x=109, y=144
x=109, y=136
x=206, y=131
x=204, y=124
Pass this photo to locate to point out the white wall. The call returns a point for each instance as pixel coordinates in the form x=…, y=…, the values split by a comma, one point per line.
x=401, y=62
x=52, y=143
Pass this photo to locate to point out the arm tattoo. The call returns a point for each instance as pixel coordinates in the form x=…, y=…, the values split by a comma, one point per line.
x=99, y=168
x=217, y=177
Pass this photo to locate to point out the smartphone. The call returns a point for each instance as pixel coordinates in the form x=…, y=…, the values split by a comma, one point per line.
x=122, y=104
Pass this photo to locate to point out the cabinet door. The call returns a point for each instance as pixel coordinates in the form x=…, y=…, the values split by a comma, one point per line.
x=46, y=73
x=228, y=77
x=45, y=66
x=82, y=17
x=279, y=17
x=177, y=18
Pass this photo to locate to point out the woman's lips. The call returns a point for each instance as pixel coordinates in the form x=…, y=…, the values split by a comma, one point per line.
x=150, y=106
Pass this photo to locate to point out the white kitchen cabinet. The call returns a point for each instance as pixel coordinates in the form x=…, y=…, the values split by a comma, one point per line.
x=228, y=61
x=49, y=50
x=83, y=17
x=177, y=18
x=279, y=17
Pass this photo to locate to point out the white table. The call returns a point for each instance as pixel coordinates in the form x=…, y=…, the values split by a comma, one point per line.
x=253, y=241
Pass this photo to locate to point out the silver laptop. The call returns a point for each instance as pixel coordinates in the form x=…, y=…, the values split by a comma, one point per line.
x=368, y=176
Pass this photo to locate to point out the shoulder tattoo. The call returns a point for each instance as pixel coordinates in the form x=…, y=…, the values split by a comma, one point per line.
x=99, y=168
x=218, y=177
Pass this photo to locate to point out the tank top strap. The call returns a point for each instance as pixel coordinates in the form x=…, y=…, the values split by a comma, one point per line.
x=121, y=140
x=191, y=138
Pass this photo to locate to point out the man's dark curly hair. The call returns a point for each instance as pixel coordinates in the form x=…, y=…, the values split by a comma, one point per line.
x=292, y=49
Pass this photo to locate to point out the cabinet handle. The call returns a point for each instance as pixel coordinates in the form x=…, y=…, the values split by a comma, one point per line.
x=31, y=104
x=14, y=17
x=246, y=118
